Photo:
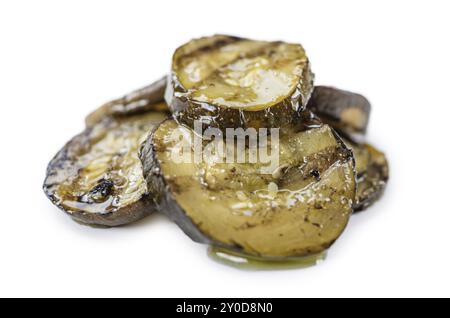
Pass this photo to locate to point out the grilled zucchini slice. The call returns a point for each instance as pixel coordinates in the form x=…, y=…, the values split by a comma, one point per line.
x=345, y=111
x=148, y=98
x=299, y=209
x=230, y=82
x=372, y=174
x=97, y=177
x=349, y=113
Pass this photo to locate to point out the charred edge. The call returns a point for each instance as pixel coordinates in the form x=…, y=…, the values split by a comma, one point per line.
x=186, y=111
x=125, y=215
x=161, y=192
x=219, y=43
x=381, y=172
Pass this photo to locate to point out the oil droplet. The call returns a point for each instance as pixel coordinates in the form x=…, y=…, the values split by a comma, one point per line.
x=247, y=262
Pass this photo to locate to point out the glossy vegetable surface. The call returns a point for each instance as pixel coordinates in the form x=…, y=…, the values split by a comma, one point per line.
x=298, y=209
x=372, y=174
x=148, y=98
x=97, y=177
x=231, y=82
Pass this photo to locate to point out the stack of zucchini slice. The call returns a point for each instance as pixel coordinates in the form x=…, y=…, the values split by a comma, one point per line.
x=122, y=167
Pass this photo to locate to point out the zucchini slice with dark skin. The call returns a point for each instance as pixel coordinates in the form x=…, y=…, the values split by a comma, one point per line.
x=372, y=174
x=148, y=98
x=345, y=111
x=349, y=113
x=97, y=177
x=230, y=82
x=299, y=209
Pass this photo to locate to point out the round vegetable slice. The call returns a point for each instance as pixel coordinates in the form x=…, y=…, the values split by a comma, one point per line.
x=230, y=82
x=345, y=111
x=299, y=208
x=148, y=98
x=97, y=177
x=372, y=174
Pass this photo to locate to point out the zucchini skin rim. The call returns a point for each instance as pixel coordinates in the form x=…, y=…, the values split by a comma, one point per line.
x=329, y=103
x=161, y=194
x=135, y=102
x=378, y=190
x=186, y=111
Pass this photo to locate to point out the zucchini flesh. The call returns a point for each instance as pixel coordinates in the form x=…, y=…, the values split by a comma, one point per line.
x=97, y=177
x=300, y=209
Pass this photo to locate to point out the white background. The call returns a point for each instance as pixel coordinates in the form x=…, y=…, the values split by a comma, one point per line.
x=59, y=60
